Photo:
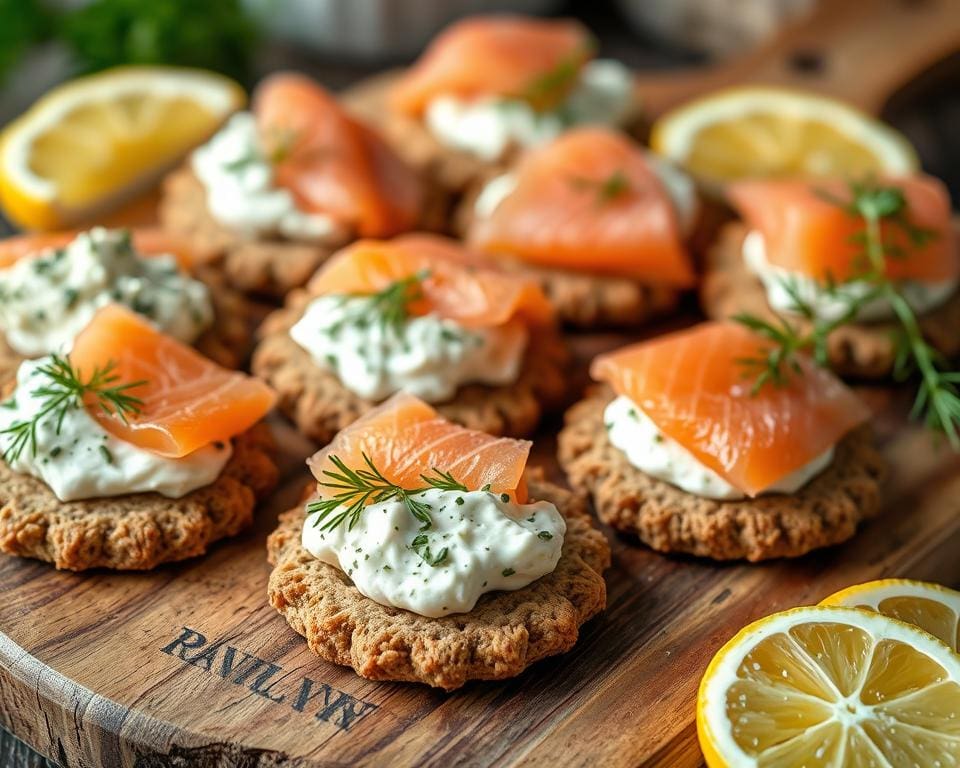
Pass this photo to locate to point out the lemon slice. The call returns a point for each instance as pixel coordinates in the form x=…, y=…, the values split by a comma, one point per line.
x=826, y=686
x=93, y=142
x=776, y=132
x=933, y=608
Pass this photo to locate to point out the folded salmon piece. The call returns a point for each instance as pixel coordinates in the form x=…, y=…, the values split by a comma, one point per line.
x=806, y=229
x=590, y=201
x=405, y=438
x=456, y=283
x=693, y=385
x=331, y=162
x=511, y=56
x=188, y=401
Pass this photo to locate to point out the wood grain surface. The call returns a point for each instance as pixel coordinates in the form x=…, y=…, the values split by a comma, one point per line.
x=189, y=665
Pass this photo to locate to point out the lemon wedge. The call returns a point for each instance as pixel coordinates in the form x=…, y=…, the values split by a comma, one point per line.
x=933, y=608
x=90, y=144
x=753, y=132
x=823, y=687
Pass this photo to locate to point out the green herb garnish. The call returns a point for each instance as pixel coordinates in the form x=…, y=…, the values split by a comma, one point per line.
x=66, y=389
x=548, y=90
x=358, y=488
x=610, y=188
x=392, y=304
x=938, y=399
x=421, y=546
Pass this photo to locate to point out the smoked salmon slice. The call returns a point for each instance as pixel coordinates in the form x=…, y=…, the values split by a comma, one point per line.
x=693, y=388
x=806, y=233
x=535, y=59
x=405, y=438
x=589, y=201
x=188, y=401
x=149, y=242
x=457, y=283
x=332, y=163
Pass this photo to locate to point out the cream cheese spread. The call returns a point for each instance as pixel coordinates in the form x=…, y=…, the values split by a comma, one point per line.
x=830, y=305
x=479, y=542
x=79, y=459
x=47, y=299
x=427, y=356
x=660, y=456
x=241, y=194
x=487, y=127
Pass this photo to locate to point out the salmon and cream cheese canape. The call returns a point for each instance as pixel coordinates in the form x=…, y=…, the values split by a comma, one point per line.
x=800, y=252
x=490, y=85
x=51, y=286
x=130, y=451
x=417, y=314
x=683, y=447
x=430, y=552
x=281, y=187
x=600, y=222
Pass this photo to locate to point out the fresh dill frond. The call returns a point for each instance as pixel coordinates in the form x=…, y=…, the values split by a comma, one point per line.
x=392, y=304
x=610, y=188
x=444, y=481
x=64, y=389
x=548, y=90
x=358, y=488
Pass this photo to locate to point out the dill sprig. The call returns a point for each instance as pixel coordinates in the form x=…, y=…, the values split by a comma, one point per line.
x=937, y=402
x=356, y=489
x=549, y=89
x=607, y=189
x=392, y=304
x=66, y=389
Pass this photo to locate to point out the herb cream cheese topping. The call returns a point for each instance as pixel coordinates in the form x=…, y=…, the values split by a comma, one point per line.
x=475, y=542
x=47, y=299
x=427, y=356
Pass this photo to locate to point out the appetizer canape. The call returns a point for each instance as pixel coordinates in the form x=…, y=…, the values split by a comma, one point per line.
x=419, y=314
x=863, y=267
x=684, y=447
x=430, y=552
x=131, y=451
x=597, y=220
x=51, y=286
x=280, y=188
x=490, y=85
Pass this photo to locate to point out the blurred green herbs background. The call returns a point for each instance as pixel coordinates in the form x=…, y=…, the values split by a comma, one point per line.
x=213, y=34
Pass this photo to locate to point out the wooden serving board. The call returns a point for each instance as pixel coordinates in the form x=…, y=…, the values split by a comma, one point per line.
x=188, y=664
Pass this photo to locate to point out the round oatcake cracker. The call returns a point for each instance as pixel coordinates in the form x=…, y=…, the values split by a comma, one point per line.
x=227, y=342
x=265, y=266
x=504, y=633
x=825, y=511
x=138, y=531
x=860, y=350
x=320, y=405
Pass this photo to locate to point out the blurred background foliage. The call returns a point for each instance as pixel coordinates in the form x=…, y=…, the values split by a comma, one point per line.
x=213, y=34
